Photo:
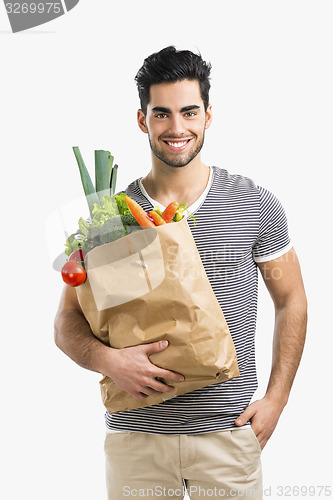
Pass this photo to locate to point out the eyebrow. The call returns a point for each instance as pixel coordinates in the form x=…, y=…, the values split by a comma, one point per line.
x=161, y=109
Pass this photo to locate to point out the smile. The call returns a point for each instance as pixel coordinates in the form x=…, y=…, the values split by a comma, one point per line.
x=177, y=145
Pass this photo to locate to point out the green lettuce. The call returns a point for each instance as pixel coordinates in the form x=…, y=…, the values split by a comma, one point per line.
x=109, y=207
x=72, y=244
x=88, y=234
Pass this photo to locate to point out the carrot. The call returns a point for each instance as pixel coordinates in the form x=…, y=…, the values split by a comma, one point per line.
x=170, y=211
x=157, y=218
x=138, y=213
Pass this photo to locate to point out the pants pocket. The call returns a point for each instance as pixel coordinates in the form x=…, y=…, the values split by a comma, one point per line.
x=256, y=439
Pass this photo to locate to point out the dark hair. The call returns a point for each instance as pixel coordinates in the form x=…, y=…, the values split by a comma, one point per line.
x=171, y=65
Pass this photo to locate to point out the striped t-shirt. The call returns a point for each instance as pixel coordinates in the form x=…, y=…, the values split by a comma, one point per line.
x=237, y=224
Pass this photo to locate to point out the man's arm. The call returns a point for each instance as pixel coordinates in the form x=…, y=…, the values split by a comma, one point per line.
x=284, y=282
x=129, y=368
x=72, y=334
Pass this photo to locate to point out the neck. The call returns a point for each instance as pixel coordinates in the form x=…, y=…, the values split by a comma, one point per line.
x=183, y=184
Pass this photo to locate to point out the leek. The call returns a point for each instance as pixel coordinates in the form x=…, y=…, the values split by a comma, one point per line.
x=87, y=184
x=103, y=168
x=113, y=179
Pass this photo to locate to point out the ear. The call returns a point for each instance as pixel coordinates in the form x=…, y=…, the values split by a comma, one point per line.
x=142, y=121
x=209, y=116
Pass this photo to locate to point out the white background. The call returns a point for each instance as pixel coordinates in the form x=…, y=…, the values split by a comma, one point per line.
x=71, y=82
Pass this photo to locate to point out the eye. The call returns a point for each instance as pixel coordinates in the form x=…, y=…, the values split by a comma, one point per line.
x=161, y=115
x=190, y=114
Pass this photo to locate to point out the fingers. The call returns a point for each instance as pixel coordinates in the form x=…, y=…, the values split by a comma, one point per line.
x=142, y=378
x=159, y=372
x=158, y=386
x=155, y=346
x=154, y=387
x=167, y=374
x=139, y=395
x=151, y=388
x=148, y=391
x=245, y=416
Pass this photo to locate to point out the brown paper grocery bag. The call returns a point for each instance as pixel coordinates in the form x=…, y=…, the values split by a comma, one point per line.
x=148, y=286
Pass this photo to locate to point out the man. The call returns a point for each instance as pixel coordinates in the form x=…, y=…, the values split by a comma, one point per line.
x=209, y=440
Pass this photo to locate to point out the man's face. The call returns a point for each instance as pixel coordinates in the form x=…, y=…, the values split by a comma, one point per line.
x=175, y=121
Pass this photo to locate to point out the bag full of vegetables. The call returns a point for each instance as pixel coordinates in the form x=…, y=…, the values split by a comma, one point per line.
x=145, y=282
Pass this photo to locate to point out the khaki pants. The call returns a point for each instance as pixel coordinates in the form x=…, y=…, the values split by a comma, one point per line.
x=224, y=464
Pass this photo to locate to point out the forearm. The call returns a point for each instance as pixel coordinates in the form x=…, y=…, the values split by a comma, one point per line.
x=129, y=368
x=72, y=334
x=288, y=344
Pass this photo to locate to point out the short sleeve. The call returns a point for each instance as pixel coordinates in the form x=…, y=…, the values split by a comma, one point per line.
x=273, y=238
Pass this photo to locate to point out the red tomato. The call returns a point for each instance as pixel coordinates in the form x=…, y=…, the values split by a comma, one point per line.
x=78, y=256
x=73, y=274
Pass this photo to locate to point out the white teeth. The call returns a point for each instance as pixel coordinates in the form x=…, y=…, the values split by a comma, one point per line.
x=177, y=144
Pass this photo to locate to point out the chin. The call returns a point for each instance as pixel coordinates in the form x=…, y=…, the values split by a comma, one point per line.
x=176, y=162
x=178, y=165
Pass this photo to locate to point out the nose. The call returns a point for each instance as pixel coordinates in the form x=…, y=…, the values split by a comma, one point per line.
x=177, y=127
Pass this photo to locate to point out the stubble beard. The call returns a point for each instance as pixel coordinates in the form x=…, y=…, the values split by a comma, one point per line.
x=178, y=161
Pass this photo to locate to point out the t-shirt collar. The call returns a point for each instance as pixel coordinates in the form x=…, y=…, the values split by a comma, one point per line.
x=192, y=208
